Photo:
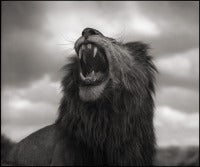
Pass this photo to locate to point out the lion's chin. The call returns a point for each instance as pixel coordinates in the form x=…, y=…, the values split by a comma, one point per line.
x=92, y=93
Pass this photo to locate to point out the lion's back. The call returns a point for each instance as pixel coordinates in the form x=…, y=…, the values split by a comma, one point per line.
x=36, y=149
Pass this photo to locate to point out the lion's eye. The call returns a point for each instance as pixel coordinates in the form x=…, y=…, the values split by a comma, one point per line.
x=113, y=40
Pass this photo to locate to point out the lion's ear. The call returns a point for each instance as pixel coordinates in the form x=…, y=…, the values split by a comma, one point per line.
x=138, y=48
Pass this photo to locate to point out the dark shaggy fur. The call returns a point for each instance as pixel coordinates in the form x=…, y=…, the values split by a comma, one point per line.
x=115, y=129
x=6, y=146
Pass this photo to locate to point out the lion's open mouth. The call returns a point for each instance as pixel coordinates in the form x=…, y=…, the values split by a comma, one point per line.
x=93, y=64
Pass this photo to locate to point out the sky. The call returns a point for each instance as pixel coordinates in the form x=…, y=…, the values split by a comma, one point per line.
x=37, y=37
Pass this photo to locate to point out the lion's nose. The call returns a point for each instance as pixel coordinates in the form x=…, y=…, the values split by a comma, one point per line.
x=90, y=31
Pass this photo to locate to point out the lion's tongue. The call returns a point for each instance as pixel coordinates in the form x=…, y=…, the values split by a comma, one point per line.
x=91, y=77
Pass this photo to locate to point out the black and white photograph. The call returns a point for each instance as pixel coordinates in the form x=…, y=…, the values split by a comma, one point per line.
x=99, y=83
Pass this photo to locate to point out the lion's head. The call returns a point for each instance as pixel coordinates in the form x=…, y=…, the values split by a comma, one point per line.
x=105, y=63
x=107, y=85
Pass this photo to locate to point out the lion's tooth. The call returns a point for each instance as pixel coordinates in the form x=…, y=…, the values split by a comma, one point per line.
x=80, y=53
x=89, y=46
x=93, y=76
x=84, y=58
x=95, y=51
x=82, y=77
x=99, y=75
x=90, y=75
x=83, y=47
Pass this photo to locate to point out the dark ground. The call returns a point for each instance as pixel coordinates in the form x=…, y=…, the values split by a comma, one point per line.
x=170, y=156
x=177, y=156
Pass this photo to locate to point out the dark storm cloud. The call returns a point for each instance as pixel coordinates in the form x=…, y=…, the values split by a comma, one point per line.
x=21, y=15
x=165, y=79
x=25, y=56
x=38, y=114
x=178, y=98
x=179, y=23
x=26, y=59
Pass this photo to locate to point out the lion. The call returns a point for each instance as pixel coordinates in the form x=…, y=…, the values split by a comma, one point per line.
x=106, y=112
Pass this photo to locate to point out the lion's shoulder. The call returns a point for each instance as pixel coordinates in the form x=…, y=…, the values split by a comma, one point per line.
x=39, y=144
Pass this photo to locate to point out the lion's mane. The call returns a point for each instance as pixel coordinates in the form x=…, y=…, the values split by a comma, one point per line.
x=120, y=123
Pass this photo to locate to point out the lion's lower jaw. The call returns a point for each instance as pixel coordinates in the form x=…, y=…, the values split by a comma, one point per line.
x=92, y=93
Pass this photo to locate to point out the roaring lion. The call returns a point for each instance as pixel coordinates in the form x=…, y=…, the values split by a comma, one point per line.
x=106, y=112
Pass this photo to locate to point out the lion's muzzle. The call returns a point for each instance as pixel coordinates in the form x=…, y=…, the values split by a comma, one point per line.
x=93, y=63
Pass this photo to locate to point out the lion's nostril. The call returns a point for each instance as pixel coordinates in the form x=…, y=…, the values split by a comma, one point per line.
x=90, y=31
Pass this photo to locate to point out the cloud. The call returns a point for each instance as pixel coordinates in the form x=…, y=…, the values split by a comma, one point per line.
x=181, y=64
x=182, y=99
x=178, y=23
x=28, y=59
x=21, y=15
x=29, y=49
x=17, y=133
x=165, y=113
x=176, y=65
x=181, y=69
x=174, y=127
x=43, y=90
x=35, y=105
x=32, y=30
x=145, y=26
